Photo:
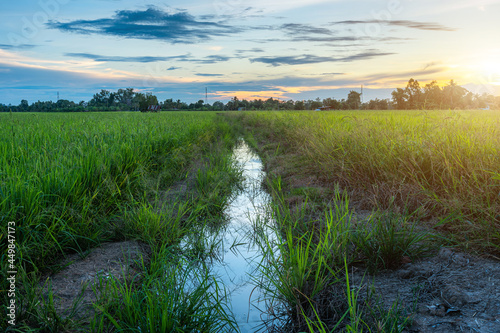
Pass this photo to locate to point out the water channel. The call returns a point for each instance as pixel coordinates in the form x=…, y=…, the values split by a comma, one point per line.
x=240, y=253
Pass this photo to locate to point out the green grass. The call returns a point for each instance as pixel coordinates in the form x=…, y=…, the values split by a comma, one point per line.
x=305, y=270
x=436, y=163
x=73, y=181
x=174, y=296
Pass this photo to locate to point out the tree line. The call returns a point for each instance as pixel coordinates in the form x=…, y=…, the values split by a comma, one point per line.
x=431, y=96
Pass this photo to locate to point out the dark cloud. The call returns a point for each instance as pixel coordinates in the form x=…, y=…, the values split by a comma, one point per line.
x=431, y=64
x=173, y=68
x=205, y=74
x=402, y=23
x=102, y=58
x=313, y=59
x=212, y=59
x=152, y=23
x=16, y=47
x=254, y=50
x=293, y=29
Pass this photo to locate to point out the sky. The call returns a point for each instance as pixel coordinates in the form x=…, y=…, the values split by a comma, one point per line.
x=287, y=49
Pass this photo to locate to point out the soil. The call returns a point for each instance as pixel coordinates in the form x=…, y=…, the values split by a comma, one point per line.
x=81, y=276
x=450, y=292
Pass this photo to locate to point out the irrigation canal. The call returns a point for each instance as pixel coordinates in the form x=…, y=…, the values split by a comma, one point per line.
x=241, y=254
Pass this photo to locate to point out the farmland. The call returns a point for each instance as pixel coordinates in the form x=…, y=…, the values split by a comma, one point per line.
x=351, y=189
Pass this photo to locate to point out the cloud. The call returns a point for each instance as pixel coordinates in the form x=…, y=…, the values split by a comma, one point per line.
x=292, y=29
x=145, y=59
x=254, y=50
x=208, y=75
x=401, y=23
x=150, y=24
x=432, y=64
x=16, y=47
x=211, y=59
x=313, y=59
x=173, y=68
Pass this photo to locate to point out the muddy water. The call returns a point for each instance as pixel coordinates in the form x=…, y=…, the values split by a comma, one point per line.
x=240, y=254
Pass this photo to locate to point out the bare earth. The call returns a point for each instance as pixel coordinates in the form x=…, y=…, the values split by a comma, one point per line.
x=82, y=275
x=456, y=292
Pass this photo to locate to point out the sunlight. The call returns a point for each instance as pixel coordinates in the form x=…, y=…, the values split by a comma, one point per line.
x=491, y=70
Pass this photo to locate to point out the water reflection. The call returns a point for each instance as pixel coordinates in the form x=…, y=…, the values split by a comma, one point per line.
x=241, y=254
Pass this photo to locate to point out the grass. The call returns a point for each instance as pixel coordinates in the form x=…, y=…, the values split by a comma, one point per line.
x=435, y=164
x=73, y=181
x=174, y=297
x=305, y=274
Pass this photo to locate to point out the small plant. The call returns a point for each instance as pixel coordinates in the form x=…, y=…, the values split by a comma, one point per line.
x=386, y=240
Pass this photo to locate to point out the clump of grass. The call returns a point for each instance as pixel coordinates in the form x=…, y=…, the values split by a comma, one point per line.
x=173, y=296
x=305, y=270
x=156, y=225
x=387, y=239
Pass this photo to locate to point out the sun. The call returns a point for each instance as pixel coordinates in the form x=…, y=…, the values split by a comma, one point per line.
x=491, y=72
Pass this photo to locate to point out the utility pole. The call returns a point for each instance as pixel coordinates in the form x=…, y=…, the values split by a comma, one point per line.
x=362, y=99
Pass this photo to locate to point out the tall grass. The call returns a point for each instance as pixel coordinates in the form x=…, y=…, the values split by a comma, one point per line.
x=174, y=296
x=72, y=181
x=440, y=163
x=305, y=274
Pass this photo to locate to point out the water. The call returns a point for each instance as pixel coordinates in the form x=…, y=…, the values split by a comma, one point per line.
x=240, y=254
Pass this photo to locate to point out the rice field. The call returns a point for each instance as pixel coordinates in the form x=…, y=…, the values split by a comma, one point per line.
x=439, y=165
x=72, y=182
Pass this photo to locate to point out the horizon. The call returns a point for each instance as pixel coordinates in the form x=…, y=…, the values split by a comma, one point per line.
x=296, y=50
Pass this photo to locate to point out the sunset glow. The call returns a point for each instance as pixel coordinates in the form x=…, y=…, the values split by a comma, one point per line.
x=289, y=50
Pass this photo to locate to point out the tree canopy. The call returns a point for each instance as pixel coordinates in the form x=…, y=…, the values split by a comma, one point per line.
x=413, y=96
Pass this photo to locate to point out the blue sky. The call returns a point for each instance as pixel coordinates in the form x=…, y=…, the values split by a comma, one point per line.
x=292, y=49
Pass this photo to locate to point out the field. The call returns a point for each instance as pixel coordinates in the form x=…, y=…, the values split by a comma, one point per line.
x=437, y=165
x=353, y=191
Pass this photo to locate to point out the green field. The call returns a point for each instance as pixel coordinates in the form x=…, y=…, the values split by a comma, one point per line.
x=438, y=164
x=71, y=182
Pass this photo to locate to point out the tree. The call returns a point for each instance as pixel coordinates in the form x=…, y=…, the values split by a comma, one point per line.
x=24, y=105
x=354, y=100
x=299, y=105
x=399, y=98
x=145, y=100
x=432, y=96
x=414, y=94
x=453, y=94
x=218, y=106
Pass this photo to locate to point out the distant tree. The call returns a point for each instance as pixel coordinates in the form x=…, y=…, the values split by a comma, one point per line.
x=24, y=106
x=300, y=105
x=218, y=106
x=432, y=96
x=354, y=100
x=453, y=94
x=399, y=98
x=145, y=100
x=414, y=94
